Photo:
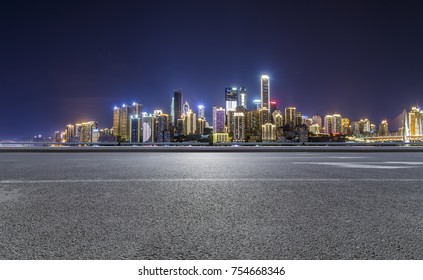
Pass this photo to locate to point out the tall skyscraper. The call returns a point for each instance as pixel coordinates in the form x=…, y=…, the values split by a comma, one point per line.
x=70, y=133
x=383, y=128
x=328, y=123
x=78, y=132
x=87, y=131
x=290, y=116
x=238, y=127
x=252, y=125
x=333, y=123
x=201, y=125
x=265, y=91
x=337, y=123
x=148, y=124
x=122, y=119
x=124, y=122
x=201, y=111
x=364, y=126
x=277, y=118
x=172, y=111
x=415, y=118
x=242, y=97
x=185, y=108
x=177, y=105
x=190, y=123
x=116, y=121
x=346, y=126
x=298, y=118
x=218, y=119
x=264, y=116
x=135, y=109
x=231, y=98
x=135, y=124
x=161, y=127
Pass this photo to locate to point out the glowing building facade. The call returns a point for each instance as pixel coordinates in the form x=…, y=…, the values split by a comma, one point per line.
x=218, y=119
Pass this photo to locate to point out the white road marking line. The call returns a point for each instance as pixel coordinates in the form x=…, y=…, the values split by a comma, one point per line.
x=405, y=162
x=210, y=180
x=346, y=157
x=371, y=165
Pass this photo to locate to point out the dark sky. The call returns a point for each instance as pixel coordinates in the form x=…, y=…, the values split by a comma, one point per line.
x=68, y=61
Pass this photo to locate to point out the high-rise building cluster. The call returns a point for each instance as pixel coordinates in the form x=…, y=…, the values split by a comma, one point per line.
x=236, y=121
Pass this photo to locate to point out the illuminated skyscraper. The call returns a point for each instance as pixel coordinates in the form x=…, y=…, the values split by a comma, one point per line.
x=148, y=124
x=177, y=105
x=135, y=109
x=78, y=128
x=298, y=118
x=185, y=108
x=268, y=132
x=70, y=133
x=333, y=124
x=364, y=126
x=277, y=118
x=172, y=111
x=337, y=123
x=328, y=123
x=122, y=119
x=201, y=111
x=252, y=126
x=242, y=97
x=231, y=99
x=180, y=123
x=265, y=91
x=95, y=135
x=383, y=128
x=135, y=124
x=264, y=116
x=162, y=126
x=346, y=127
x=218, y=119
x=415, y=118
x=290, y=116
x=201, y=125
x=116, y=121
x=238, y=127
x=87, y=131
x=190, y=123
x=124, y=122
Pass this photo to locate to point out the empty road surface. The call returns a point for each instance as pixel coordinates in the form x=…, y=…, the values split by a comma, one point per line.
x=211, y=205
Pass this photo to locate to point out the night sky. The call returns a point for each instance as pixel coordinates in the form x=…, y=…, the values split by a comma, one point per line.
x=69, y=61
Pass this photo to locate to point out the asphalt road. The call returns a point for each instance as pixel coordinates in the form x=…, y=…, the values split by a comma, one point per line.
x=211, y=205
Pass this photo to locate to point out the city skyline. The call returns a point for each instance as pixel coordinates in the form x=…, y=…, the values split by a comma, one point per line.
x=267, y=122
x=135, y=109
x=69, y=62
